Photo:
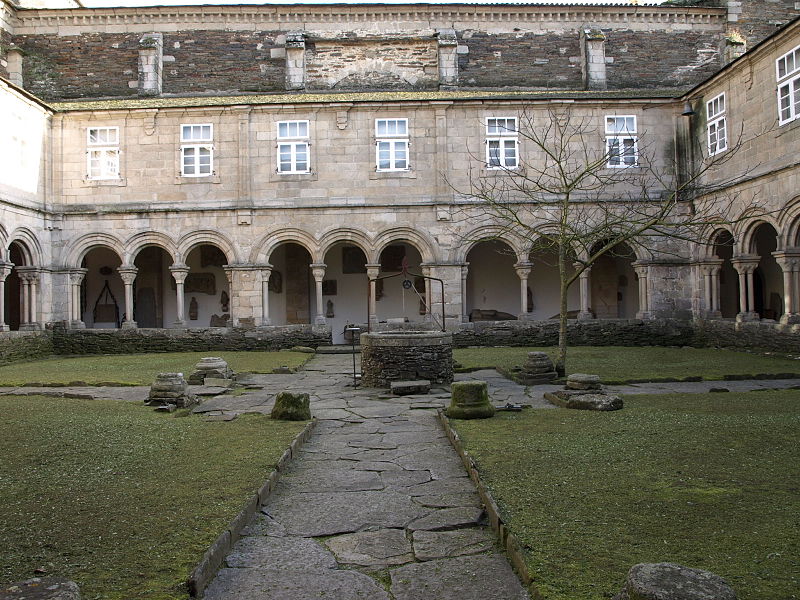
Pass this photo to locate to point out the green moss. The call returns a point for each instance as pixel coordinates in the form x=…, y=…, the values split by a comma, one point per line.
x=120, y=498
x=705, y=480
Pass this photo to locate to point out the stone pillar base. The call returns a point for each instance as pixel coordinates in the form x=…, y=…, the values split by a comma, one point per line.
x=790, y=318
x=77, y=325
x=4, y=327
x=747, y=316
x=643, y=315
x=585, y=316
x=320, y=321
x=129, y=325
x=30, y=327
x=179, y=325
x=526, y=317
x=713, y=314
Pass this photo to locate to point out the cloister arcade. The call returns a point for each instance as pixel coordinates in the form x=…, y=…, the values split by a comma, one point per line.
x=292, y=277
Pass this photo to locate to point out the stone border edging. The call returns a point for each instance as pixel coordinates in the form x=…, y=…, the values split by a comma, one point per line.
x=504, y=535
x=213, y=558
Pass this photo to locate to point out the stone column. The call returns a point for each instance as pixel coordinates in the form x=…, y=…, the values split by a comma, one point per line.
x=790, y=263
x=709, y=269
x=76, y=277
x=373, y=270
x=745, y=266
x=266, y=273
x=464, y=273
x=5, y=271
x=179, y=273
x=585, y=283
x=295, y=60
x=128, y=275
x=318, y=271
x=29, y=313
x=523, y=272
x=426, y=271
x=642, y=271
x=151, y=58
x=448, y=57
x=594, y=70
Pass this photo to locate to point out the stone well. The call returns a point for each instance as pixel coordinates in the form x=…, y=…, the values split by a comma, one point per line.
x=403, y=355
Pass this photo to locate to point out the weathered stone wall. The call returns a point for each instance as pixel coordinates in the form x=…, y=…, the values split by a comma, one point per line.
x=743, y=336
x=757, y=20
x=406, y=356
x=372, y=64
x=6, y=28
x=24, y=345
x=133, y=341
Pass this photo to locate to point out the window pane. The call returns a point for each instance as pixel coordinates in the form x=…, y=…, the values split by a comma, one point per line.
x=494, y=153
x=381, y=127
x=613, y=152
x=283, y=130
x=302, y=129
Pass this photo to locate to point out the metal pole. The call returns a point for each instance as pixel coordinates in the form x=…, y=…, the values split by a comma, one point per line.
x=352, y=331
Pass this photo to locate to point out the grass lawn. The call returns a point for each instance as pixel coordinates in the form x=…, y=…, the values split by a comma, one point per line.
x=138, y=369
x=708, y=481
x=617, y=364
x=120, y=498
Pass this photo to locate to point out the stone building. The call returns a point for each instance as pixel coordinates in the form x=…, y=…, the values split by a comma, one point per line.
x=257, y=167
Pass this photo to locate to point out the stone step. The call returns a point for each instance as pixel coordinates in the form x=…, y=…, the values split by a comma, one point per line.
x=405, y=388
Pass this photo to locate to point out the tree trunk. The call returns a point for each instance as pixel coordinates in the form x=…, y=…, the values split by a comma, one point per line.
x=561, y=355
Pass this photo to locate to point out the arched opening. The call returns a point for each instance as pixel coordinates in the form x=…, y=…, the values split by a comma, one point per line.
x=728, y=278
x=768, y=277
x=615, y=287
x=345, y=288
x=206, y=293
x=102, y=295
x=291, y=285
x=392, y=299
x=493, y=288
x=153, y=296
x=17, y=254
x=544, y=286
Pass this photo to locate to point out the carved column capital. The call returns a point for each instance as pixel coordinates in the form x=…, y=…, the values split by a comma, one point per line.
x=179, y=272
x=318, y=271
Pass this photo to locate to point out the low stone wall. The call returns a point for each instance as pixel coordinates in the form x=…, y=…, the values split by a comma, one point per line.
x=132, y=341
x=402, y=355
x=24, y=345
x=744, y=336
x=611, y=332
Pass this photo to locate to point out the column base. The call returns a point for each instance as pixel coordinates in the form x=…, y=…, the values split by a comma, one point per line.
x=266, y=322
x=320, y=321
x=129, y=325
x=747, y=316
x=77, y=325
x=30, y=327
x=526, y=317
x=643, y=315
x=712, y=314
x=790, y=318
x=585, y=315
x=179, y=325
x=4, y=327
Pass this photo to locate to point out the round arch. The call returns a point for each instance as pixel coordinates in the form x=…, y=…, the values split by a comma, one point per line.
x=268, y=243
x=485, y=234
x=84, y=244
x=347, y=235
x=192, y=240
x=139, y=241
x=747, y=238
x=404, y=234
x=790, y=219
x=32, y=250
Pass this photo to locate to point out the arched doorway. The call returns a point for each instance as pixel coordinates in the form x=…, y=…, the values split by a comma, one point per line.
x=153, y=299
x=13, y=288
x=291, y=285
x=345, y=288
x=493, y=286
x=102, y=297
x=544, y=286
x=728, y=278
x=615, y=287
x=206, y=293
x=767, y=277
x=392, y=299
x=21, y=293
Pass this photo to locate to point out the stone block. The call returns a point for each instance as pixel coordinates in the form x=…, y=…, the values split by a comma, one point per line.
x=470, y=400
x=41, y=588
x=404, y=388
x=668, y=581
x=584, y=401
x=291, y=407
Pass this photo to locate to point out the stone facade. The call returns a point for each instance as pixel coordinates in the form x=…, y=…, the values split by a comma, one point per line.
x=109, y=220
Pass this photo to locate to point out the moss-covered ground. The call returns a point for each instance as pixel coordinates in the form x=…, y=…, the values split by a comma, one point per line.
x=137, y=369
x=120, y=498
x=617, y=364
x=706, y=480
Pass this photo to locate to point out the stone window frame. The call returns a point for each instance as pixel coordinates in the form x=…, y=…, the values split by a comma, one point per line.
x=716, y=119
x=502, y=143
x=787, y=74
x=103, y=153
x=394, y=145
x=623, y=137
x=293, y=143
x=192, y=146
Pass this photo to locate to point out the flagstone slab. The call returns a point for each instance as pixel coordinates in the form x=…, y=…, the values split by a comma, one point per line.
x=448, y=500
x=380, y=548
x=462, y=578
x=431, y=545
x=280, y=553
x=327, y=478
x=448, y=518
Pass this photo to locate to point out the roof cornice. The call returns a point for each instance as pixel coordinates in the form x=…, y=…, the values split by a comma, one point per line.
x=74, y=21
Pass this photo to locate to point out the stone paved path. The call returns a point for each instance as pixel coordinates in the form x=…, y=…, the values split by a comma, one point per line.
x=376, y=506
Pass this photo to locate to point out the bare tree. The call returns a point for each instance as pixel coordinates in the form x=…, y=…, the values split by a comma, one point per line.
x=583, y=189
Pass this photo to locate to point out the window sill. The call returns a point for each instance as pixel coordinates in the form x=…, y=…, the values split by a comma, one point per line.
x=408, y=174
x=183, y=180
x=121, y=182
x=501, y=172
x=274, y=176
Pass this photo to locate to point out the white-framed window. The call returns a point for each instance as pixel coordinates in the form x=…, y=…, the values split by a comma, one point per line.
x=787, y=72
x=293, y=147
x=391, y=145
x=717, y=129
x=621, y=143
x=102, y=152
x=197, y=150
x=502, y=143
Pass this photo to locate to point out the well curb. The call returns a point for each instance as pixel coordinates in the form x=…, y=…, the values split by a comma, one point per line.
x=212, y=559
x=507, y=539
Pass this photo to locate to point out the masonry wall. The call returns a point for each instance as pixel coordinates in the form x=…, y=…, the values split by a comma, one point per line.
x=16, y=346
x=757, y=20
x=6, y=29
